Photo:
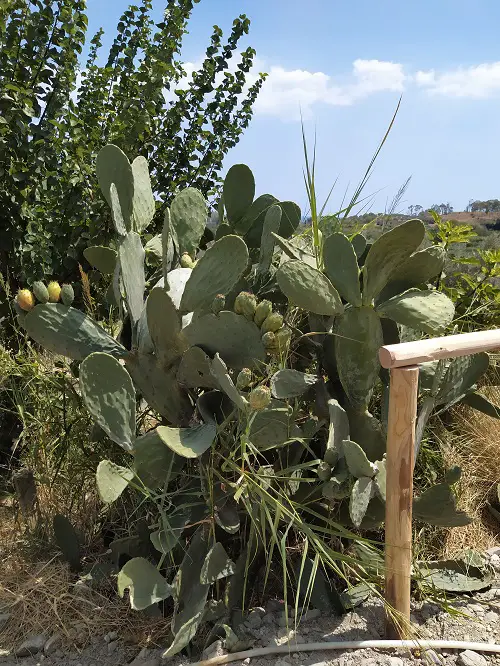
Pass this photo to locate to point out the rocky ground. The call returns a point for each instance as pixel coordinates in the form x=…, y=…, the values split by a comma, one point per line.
x=477, y=619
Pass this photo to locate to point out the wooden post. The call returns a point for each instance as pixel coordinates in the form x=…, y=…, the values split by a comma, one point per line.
x=399, y=495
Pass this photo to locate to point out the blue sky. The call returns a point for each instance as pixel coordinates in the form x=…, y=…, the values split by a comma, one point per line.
x=345, y=64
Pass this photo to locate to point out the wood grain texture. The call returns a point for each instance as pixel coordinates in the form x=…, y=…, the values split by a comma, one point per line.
x=399, y=494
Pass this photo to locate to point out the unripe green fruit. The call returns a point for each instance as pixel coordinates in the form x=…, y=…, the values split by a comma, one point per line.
x=263, y=310
x=54, y=290
x=260, y=397
x=244, y=378
x=324, y=471
x=268, y=340
x=282, y=339
x=245, y=304
x=41, y=292
x=272, y=323
x=67, y=294
x=218, y=304
x=25, y=300
x=186, y=261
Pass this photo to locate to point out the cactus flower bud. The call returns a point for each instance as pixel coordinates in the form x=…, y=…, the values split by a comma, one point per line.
x=273, y=323
x=25, y=300
x=54, y=290
x=263, y=310
x=245, y=304
x=268, y=341
x=67, y=294
x=218, y=304
x=41, y=292
x=244, y=378
x=186, y=261
x=324, y=471
x=260, y=397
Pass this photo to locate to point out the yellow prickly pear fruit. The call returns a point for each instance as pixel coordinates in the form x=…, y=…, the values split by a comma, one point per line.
x=25, y=300
x=245, y=304
x=40, y=291
x=244, y=378
x=67, y=294
x=268, y=340
x=54, y=290
x=263, y=310
x=186, y=261
x=260, y=397
x=272, y=323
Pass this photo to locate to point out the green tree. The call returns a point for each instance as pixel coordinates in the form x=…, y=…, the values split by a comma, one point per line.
x=51, y=128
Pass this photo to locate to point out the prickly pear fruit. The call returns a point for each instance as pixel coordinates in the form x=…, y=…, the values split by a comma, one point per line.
x=40, y=291
x=54, y=290
x=218, y=304
x=18, y=309
x=268, y=340
x=244, y=378
x=272, y=323
x=324, y=471
x=186, y=261
x=25, y=300
x=260, y=397
x=67, y=294
x=245, y=304
x=282, y=339
x=263, y=310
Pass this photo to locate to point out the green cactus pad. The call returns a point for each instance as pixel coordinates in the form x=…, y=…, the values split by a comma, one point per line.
x=143, y=203
x=219, y=370
x=460, y=376
x=216, y=272
x=292, y=250
x=235, y=338
x=194, y=370
x=159, y=388
x=112, y=480
x=188, y=219
x=358, y=338
x=387, y=254
x=68, y=541
x=68, y=332
x=271, y=226
x=189, y=592
x=359, y=244
x=272, y=428
x=167, y=243
x=482, y=404
x=166, y=538
x=113, y=167
x=252, y=222
x=290, y=218
x=341, y=267
x=287, y=383
x=222, y=230
x=144, y=582
x=184, y=635
x=420, y=268
x=164, y=325
x=217, y=565
x=121, y=226
x=238, y=192
x=188, y=442
x=109, y=396
x=380, y=479
x=154, y=248
x=361, y=494
x=338, y=432
x=427, y=311
x=437, y=506
x=356, y=460
x=367, y=431
x=308, y=288
x=155, y=464
x=131, y=256
x=101, y=258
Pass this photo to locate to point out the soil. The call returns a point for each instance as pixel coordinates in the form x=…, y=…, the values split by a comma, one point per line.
x=475, y=619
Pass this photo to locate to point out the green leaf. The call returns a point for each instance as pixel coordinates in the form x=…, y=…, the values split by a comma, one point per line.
x=287, y=384
x=427, y=311
x=217, y=565
x=341, y=266
x=145, y=583
x=188, y=442
x=309, y=289
x=109, y=396
x=101, y=258
x=112, y=480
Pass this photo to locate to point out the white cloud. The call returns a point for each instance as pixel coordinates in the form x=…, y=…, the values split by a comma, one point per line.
x=479, y=81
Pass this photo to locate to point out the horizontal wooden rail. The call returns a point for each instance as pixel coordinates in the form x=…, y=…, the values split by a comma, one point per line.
x=420, y=351
x=403, y=360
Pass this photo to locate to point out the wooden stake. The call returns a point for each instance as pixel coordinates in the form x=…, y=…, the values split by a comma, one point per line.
x=399, y=496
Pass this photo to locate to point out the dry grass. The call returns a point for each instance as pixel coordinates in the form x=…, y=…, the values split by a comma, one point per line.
x=43, y=599
x=474, y=444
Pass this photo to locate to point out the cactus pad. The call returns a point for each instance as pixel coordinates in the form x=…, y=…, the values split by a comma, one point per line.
x=155, y=464
x=341, y=266
x=131, y=256
x=188, y=218
x=164, y=325
x=427, y=311
x=238, y=192
x=271, y=226
x=308, y=288
x=287, y=383
x=194, y=370
x=143, y=203
x=144, y=582
x=188, y=442
x=113, y=167
x=112, y=480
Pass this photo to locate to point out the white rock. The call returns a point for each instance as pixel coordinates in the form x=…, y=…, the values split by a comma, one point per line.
x=216, y=649
x=395, y=661
x=53, y=644
x=32, y=645
x=431, y=657
x=470, y=658
x=112, y=646
x=491, y=617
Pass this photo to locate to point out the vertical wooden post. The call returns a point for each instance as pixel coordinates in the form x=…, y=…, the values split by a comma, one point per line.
x=399, y=495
